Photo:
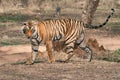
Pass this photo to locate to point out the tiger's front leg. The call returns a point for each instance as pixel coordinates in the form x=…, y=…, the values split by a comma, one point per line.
x=49, y=50
x=34, y=53
x=32, y=58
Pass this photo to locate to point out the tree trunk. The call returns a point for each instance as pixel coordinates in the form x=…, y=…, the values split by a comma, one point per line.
x=89, y=10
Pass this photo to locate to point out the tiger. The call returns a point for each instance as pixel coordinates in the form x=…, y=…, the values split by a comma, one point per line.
x=70, y=31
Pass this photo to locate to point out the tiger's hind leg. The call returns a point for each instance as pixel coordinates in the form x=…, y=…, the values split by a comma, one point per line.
x=88, y=51
x=82, y=44
x=69, y=51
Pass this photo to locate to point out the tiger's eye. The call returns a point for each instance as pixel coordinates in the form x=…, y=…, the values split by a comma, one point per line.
x=33, y=30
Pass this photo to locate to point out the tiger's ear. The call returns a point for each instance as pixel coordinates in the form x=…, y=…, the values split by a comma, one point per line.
x=24, y=23
x=34, y=23
x=23, y=28
x=24, y=31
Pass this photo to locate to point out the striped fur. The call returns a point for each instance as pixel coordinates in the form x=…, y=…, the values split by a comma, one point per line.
x=68, y=30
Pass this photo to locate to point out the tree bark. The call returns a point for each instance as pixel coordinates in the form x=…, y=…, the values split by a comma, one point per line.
x=89, y=10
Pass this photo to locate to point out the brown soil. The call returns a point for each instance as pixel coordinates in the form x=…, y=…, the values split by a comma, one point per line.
x=77, y=68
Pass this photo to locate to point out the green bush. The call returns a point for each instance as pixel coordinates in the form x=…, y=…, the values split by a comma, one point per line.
x=113, y=56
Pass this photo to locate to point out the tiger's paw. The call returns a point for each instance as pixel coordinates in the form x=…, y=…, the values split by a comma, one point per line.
x=29, y=63
x=68, y=58
x=52, y=60
x=66, y=61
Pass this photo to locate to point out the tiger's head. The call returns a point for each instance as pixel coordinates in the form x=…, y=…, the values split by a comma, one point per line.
x=29, y=29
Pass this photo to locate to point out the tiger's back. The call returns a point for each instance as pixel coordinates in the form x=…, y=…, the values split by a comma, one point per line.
x=59, y=29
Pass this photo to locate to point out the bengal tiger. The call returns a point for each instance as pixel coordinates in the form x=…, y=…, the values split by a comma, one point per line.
x=68, y=30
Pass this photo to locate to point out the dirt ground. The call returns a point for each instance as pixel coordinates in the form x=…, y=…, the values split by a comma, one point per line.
x=76, y=69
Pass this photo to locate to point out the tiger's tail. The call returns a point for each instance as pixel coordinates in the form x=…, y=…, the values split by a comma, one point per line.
x=101, y=25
